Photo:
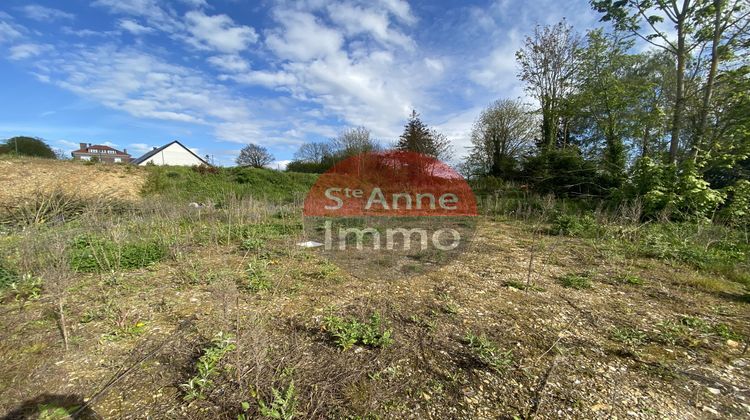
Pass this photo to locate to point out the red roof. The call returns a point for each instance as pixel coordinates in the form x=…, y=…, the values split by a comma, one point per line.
x=99, y=147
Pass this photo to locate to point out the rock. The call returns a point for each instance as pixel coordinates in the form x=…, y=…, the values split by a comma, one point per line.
x=714, y=391
x=733, y=344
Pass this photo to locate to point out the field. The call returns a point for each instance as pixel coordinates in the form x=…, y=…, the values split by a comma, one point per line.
x=123, y=305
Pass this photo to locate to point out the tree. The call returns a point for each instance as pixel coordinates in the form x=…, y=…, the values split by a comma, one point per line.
x=313, y=152
x=352, y=142
x=634, y=15
x=254, y=156
x=27, y=146
x=606, y=104
x=549, y=61
x=417, y=137
x=501, y=134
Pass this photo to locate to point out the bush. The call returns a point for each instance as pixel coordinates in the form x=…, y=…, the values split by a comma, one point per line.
x=94, y=254
x=571, y=225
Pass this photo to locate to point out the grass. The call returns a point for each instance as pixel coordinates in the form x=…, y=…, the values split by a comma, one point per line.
x=90, y=254
x=187, y=185
x=575, y=281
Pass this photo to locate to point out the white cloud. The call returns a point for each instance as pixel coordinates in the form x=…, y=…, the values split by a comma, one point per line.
x=218, y=32
x=400, y=9
x=145, y=86
x=279, y=164
x=134, y=27
x=45, y=14
x=24, y=51
x=266, y=78
x=358, y=20
x=139, y=148
x=229, y=62
x=9, y=31
x=294, y=41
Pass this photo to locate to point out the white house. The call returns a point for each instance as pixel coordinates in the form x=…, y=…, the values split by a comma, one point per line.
x=174, y=154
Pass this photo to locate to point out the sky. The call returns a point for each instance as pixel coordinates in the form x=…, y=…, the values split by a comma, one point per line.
x=219, y=74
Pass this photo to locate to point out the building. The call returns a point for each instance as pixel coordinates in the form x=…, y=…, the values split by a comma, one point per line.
x=173, y=154
x=101, y=153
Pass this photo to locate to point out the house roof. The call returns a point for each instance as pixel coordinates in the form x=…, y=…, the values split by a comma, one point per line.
x=159, y=149
x=99, y=147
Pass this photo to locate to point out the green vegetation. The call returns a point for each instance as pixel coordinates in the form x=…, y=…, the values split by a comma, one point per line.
x=488, y=353
x=195, y=388
x=283, y=406
x=348, y=332
x=27, y=146
x=189, y=185
x=98, y=254
x=576, y=281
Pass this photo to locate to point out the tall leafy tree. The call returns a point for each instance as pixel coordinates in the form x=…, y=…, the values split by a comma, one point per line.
x=643, y=18
x=503, y=132
x=549, y=60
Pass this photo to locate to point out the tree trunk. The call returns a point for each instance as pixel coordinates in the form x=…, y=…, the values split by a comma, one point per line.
x=679, y=103
x=708, y=90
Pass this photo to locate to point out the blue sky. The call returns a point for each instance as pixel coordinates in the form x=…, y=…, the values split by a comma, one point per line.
x=217, y=74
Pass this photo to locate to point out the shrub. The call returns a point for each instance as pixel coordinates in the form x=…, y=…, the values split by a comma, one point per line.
x=571, y=225
x=347, y=333
x=95, y=254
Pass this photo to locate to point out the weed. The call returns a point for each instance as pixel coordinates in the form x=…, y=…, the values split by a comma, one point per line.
x=327, y=271
x=629, y=336
x=726, y=332
x=575, y=281
x=671, y=333
x=522, y=286
x=26, y=288
x=283, y=406
x=96, y=254
x=252, y=244
x=488, y=353
x=695, y=323
x=125, y=331
x=347, y=333
x=258, y=278
x=195, y=388
x=7, y=277
x=631, y=279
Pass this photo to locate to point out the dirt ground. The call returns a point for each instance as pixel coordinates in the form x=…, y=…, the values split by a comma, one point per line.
x=664, y=348
x=21, y=178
